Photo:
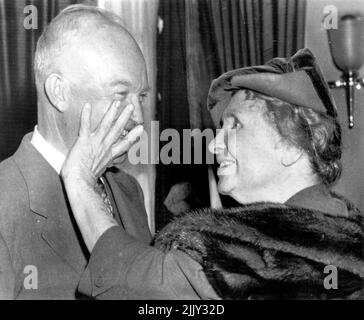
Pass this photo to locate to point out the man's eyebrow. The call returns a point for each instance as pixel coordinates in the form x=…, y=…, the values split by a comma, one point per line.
x=146, y=89
x=120, y=82
x=128, y=84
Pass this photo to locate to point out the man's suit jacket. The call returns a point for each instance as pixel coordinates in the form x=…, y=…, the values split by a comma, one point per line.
x=42, y=254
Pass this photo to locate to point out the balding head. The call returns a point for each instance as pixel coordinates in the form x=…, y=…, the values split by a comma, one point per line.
x=75, y=24
x=85, y=55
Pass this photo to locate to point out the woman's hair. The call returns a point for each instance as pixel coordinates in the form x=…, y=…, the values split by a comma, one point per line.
x=319, y=135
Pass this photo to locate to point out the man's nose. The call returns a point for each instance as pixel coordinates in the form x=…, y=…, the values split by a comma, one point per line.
x=218, y=146
x=137, y=116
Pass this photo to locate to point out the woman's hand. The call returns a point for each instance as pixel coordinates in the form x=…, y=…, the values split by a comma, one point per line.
x=95, y=151
x=90, y=156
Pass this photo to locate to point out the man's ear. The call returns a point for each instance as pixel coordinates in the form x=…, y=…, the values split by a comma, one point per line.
x=290, y=155
x=56, y=88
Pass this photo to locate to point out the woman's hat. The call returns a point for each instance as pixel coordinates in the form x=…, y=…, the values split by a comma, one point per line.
x=297, y=80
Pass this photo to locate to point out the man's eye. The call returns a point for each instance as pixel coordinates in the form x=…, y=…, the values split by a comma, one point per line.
x=143, y=97
x=121, y=95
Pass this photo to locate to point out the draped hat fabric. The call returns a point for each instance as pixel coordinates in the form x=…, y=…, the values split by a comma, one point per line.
x=297, y=80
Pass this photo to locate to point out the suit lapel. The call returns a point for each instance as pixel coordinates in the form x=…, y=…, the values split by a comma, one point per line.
x=62, y=235
x=47, y=199
x=130, y=209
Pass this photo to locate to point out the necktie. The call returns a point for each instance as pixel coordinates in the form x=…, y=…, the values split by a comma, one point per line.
x=100, y=188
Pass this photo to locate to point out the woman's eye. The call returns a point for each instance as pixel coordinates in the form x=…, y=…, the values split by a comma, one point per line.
x=237, y=125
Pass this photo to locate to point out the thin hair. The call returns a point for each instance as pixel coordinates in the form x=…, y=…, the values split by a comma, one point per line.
x=74, y=22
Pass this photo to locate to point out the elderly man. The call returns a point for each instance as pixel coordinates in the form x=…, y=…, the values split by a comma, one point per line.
x=279, y=153
x=83, y=56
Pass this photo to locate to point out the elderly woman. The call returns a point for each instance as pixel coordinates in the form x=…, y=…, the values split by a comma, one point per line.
x=279, y=154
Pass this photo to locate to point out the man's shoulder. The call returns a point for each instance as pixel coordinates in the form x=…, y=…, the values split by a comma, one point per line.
x=14, y=198
x=11, y=179
x=13, y=188
x=11, y=168
x=21, y=156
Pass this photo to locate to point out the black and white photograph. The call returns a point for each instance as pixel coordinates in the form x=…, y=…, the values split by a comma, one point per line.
x=185, y=150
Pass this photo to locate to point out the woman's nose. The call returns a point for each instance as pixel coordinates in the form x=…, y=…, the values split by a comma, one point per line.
x=217, y=145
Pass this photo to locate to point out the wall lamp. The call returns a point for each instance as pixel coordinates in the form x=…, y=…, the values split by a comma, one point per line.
x=347, y=51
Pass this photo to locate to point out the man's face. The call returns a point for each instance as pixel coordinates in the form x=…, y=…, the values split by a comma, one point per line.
x=107, y=72
x=248, y=150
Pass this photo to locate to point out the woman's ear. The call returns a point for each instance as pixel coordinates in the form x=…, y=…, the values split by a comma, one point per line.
x=56, y=88
x=290, y=155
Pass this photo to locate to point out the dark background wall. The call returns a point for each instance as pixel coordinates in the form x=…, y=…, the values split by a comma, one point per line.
x=18, y=104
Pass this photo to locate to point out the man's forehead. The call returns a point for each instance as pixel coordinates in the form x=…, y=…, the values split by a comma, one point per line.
x=115, y=69
x=137, y=81
x=107, y=52
x=126, y=69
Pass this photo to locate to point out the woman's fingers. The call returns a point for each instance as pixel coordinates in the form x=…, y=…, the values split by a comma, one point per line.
x=108, y=120
x=122, y=146
x=85, y=126
x=97, y=149
x=119, y=125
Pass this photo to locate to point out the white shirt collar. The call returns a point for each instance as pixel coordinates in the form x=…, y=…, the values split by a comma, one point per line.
x=50, y=153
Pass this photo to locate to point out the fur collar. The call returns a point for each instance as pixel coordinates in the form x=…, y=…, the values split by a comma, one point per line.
x=268, y=250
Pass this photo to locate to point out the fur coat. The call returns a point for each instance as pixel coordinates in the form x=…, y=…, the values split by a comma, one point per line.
x=273, y=251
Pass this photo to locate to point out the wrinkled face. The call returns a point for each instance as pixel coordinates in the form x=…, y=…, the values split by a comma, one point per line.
x=248, y=150
x=102, y=72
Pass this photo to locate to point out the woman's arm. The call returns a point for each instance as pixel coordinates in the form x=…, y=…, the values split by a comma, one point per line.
x=120, y=266
x=91, y=155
